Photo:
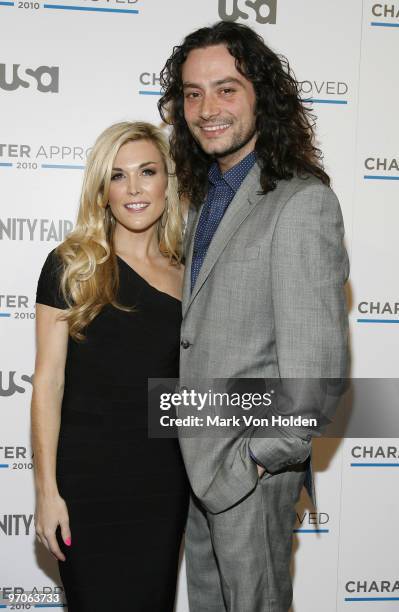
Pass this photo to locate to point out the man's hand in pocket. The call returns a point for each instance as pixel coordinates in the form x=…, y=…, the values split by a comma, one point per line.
x=261, y=470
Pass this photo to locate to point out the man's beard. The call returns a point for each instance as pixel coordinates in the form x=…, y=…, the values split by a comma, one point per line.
x=236, y=146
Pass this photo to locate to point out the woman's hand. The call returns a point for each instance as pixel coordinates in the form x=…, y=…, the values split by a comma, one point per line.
x=52, y=511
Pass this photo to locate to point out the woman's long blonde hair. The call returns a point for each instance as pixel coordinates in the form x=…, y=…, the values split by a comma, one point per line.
x=90, y=278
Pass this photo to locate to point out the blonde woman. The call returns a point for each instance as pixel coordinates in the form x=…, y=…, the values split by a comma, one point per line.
x=111, y=503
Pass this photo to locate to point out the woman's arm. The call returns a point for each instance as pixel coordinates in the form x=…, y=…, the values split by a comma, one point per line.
x=48, y=388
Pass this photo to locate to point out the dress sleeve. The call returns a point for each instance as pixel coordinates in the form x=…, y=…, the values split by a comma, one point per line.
x=49, y=285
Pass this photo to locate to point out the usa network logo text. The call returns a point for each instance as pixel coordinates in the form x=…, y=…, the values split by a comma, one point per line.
x=11, y=382
x=44, y=79
x=263, y=11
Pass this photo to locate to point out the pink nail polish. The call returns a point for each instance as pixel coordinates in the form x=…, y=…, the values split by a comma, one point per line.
x=68, y=542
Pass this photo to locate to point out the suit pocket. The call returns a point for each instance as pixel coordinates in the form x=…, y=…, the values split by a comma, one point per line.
x=264, y=476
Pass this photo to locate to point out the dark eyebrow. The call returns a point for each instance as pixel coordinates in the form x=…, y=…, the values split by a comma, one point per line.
x=228, y=80
x=224, y=81
x=140, y=166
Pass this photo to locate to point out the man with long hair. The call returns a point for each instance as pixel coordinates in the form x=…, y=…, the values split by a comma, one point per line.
x=263, y=298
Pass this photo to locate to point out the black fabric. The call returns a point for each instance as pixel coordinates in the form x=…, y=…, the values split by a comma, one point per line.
x=127, y=495
x=48, y=287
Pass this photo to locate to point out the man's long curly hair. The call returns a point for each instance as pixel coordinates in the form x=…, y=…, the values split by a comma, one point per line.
x=285, y=127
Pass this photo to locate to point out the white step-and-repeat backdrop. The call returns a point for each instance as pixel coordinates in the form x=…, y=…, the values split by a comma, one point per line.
x=70, y=68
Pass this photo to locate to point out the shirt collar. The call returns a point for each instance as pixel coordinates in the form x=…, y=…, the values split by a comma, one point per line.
x=235, y=176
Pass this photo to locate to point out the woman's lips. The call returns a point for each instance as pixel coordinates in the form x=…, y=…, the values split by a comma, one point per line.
x=137, y=207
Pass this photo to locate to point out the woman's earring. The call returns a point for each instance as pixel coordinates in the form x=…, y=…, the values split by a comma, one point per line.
x=165, y=215
x=108, y=213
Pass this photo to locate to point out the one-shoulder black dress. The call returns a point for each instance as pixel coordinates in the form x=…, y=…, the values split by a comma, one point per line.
x=127, y=494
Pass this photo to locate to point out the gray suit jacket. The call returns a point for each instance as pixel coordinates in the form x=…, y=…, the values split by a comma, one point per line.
x=268, y=303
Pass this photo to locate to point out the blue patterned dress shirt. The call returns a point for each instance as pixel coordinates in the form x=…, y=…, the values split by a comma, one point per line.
x=222, y=189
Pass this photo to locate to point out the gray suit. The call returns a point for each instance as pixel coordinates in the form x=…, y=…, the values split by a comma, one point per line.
x=268, y=302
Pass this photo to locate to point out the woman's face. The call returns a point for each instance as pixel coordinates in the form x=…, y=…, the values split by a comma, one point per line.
x=138, y=186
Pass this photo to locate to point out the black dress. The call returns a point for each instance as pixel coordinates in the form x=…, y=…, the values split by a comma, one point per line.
x=127, y=494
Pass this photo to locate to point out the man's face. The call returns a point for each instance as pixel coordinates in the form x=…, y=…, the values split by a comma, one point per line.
x=219, y=104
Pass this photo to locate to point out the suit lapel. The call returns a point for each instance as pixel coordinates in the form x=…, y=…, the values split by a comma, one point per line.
x=239, y=208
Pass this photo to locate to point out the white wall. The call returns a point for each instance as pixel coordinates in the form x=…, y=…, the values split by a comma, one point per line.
x=104, y=66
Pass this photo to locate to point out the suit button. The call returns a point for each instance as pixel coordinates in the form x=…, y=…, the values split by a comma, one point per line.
x=185, y=344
